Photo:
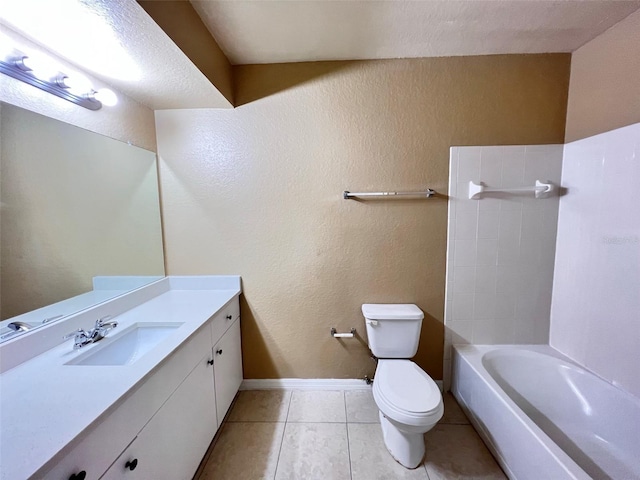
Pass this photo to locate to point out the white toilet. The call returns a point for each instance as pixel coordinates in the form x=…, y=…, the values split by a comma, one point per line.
x=409, y=401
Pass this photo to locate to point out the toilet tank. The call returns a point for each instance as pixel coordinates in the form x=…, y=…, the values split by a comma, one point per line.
x=393, y=329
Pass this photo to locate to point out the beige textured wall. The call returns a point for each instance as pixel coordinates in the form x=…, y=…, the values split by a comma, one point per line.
x=257, y=191
x=604, y=91
x=181, y=22
x=74, y=205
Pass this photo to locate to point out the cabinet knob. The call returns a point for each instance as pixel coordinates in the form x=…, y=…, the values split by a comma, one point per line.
x=210, y=362
x=132, y=464
x=78, y=476
x=229, y=317
x=219, y=352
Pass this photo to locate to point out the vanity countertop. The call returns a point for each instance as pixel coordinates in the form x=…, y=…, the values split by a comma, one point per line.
x=46, y=404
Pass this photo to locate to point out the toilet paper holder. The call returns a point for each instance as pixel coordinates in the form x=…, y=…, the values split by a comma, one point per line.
x=335, y=334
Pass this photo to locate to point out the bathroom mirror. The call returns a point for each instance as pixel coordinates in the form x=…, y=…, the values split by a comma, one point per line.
x=79, y=219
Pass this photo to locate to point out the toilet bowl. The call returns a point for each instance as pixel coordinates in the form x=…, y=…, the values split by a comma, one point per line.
x=409, y=401
x=410, y=404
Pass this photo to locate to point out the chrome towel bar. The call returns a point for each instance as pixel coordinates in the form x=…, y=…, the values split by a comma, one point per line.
x=424, y=193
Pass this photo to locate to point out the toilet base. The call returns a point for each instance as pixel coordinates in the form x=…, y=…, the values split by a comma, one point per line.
x=406, y=448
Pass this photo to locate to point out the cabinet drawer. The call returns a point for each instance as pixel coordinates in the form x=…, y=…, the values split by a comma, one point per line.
x=224, y=319
x=105, y=441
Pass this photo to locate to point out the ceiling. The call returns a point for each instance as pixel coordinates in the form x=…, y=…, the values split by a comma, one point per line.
x=275, y=31
x=120, y=44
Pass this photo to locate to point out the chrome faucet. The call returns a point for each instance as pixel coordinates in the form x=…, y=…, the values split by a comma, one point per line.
x=83, y=337
x=16, y=327
x=19, y=326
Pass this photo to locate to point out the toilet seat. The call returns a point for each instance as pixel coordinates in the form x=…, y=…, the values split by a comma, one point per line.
x=405, y=393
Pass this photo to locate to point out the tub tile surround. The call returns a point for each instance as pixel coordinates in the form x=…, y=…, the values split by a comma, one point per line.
x=501, y=248
x=300, y=446
x=595, y=305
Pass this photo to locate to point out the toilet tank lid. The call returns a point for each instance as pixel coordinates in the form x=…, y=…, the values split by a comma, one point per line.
x=392, y=311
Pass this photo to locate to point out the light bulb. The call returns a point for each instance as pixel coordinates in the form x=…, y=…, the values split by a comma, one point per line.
x=77, y=84
x=40, y=66
x=106, y=97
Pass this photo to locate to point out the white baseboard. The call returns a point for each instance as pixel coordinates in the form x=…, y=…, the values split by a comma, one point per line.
x=304, y=384
x=308, y=384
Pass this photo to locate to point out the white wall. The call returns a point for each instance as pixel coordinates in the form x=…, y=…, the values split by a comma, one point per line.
x=500, y=250
x=595, y=314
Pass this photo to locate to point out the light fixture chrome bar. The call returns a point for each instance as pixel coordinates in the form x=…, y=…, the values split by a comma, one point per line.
x=428, y=193
x=11, y=69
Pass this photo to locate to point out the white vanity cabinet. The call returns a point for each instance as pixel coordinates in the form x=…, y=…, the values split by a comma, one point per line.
x=174, y=441
x=227, y=357
x=163, y=429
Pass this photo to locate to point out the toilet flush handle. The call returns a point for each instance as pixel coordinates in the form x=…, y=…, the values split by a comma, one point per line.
x=373, y=323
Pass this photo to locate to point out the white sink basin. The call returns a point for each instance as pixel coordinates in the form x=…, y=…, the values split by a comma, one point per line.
x=127, y=346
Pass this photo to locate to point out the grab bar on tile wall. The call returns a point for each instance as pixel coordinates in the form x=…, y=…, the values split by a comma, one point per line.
x=428, y=193
x=540, y=189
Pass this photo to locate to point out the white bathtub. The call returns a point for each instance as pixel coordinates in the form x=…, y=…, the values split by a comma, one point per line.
x=544, y=417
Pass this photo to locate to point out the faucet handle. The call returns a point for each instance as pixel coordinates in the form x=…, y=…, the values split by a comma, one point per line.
x=103, y=319
x=74, y=334
x=101, y=322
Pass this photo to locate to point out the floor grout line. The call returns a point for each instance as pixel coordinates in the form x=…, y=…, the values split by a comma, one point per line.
x=286, y=417
x=284, y=431
x=346, y=427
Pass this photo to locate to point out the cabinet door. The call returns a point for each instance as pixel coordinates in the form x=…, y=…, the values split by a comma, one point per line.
x=227, y=356
x=174, y=441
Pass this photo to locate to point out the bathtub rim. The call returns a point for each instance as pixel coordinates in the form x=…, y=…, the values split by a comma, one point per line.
x=472, y=355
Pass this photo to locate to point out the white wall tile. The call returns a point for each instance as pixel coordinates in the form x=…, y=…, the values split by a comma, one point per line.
x=487, y=251
x=491, y=166
x=466, y=225
x=513, y=168
x=453, y=167
x=596, y=295
x=497, y=273
x=464, y=253
x=533, y=220
x=484, y=306
x=530, y=251
x=488, y=223
x=510, y=224
x=508, y=250
x=514, y=202
x=464, y=279
x=468, y=164
x=463, y=204
x=485, y=279
x=461, y=332
x=489, y=204
x=462, y=307
x=505, y=306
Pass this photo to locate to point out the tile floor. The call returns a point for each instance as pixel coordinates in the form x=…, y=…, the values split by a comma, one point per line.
x=335, y=435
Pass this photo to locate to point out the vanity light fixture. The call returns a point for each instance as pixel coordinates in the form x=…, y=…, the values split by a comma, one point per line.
x=42, y=72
